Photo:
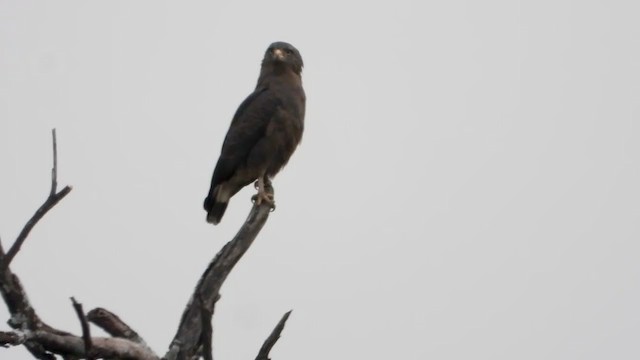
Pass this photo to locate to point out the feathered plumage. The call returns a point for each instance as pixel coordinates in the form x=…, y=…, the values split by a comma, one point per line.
x=264, y=132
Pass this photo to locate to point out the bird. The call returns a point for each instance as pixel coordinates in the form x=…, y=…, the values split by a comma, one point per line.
x=264, y=132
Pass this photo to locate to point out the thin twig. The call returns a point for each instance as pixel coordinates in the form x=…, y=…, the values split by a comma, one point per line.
x=54, y=169
x=39, y=214
x=23, y=315
x=271, y=340
x=40, y=339
x=52, y=200
x=86, y=332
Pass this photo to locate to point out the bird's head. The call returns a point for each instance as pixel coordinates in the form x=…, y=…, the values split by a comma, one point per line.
x=283, y=54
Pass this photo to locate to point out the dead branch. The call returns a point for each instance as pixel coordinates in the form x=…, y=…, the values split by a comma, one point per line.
x=186, y=342
x=273, y=338
x=86, y=333
x=207, y=329
x=54, y=169
x=39, y=338
x=192, y=339
x=73, y=346
x=23, y=316
x=51, y=201
x=43, y=340
x=113, y=325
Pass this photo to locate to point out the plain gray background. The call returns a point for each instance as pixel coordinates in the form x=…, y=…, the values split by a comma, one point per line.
x=467, y=185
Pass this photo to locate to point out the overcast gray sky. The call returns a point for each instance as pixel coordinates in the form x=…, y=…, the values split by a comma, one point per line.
x=466, y=188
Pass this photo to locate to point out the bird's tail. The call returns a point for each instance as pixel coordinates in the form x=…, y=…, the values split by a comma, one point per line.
x=215, y=205
x=214, y=214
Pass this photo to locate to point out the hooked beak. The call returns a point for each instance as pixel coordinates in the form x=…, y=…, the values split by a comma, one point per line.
x=278, y=54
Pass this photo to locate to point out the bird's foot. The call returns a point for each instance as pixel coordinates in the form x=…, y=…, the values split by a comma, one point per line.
x=266, y=183
x=265, y=193
x=264, y=197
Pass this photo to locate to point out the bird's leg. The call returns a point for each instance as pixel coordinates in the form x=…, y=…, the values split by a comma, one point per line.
x=268, y=187
x=265, y=192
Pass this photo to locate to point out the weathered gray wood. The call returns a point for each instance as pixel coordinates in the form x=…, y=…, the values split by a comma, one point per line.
x=186, y=342
x=51, y=201
x=263, y=354
x=86, y=332
x=113, y=325
x=192, y=339
x=40, y=339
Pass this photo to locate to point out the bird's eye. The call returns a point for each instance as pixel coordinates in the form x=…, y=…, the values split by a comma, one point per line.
x=288, y=51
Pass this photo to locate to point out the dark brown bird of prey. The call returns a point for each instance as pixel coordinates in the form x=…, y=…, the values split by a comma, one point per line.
x=264, y=132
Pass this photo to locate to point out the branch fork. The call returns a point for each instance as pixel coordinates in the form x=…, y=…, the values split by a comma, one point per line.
x=193, y=337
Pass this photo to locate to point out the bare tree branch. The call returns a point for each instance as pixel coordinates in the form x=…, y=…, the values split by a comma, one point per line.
x=54, y=169
x=86, y=332
x=39, y=338
x=273, y=338
x=113, y=325
x=39, y=214
x=194, y=334
x=51, y=201
x=69, y=345
x=186, y=341
x=23, y=316
x=207, y=329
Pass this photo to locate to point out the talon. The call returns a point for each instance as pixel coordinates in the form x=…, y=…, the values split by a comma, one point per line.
x=267, y=198
x=265, y=193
